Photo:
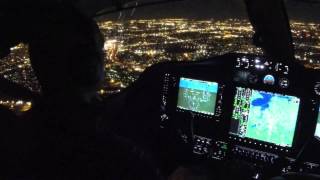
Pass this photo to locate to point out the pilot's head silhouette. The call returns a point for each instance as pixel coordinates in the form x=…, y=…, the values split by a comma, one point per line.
x=67, y=54
x=65, y=46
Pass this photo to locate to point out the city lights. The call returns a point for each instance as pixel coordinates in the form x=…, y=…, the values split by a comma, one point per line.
x=133, y=45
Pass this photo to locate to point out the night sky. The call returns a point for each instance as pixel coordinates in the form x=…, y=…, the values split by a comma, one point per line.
x=218, y=9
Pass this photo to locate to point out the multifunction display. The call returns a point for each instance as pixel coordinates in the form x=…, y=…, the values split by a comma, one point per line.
x=264, y=116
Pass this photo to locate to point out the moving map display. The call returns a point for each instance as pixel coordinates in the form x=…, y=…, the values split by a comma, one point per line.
x=317, y=133
x=265, y=116
x=197, y=96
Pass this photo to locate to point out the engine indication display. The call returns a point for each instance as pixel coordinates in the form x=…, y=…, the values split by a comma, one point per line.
x=317, y=132
x=317, y=88
x=197, y=96
x=265, y=116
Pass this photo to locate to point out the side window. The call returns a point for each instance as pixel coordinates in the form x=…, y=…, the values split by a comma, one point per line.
x=16, y=67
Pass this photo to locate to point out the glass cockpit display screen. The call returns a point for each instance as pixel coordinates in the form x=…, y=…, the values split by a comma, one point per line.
x=317, y=133
x=197, y=96
x=265, y=116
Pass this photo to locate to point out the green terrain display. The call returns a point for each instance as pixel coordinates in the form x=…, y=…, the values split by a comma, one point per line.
x=197, y=96
x=266, y=116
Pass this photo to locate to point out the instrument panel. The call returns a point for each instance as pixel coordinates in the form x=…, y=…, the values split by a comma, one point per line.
x=252, y=109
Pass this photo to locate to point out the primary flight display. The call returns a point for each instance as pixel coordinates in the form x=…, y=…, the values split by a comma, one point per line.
x=197, y=96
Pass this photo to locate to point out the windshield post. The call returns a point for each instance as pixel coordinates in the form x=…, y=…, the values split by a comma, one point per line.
x=272, y=30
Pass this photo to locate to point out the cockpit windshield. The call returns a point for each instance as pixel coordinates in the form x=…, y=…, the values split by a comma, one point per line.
x=177, y=31
x=180, y=31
